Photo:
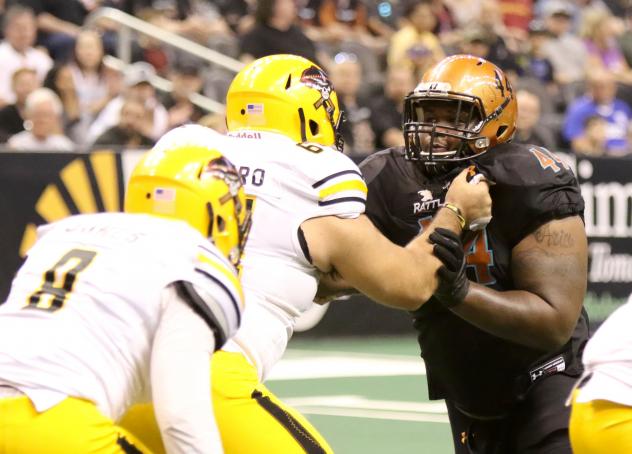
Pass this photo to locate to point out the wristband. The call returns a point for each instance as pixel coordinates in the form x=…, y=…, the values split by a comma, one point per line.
x=457, y=211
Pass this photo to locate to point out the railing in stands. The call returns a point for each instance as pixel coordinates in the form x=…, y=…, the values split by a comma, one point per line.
x=130, y=24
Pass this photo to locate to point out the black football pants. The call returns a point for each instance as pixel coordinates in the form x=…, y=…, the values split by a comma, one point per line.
x=537, y=425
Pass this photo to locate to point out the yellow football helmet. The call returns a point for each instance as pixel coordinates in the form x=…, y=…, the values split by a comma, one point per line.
x=197, y=185
x=481, y=99
x=288, y=95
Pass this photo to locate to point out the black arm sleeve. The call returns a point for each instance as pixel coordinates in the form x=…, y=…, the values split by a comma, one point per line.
x=186, y=291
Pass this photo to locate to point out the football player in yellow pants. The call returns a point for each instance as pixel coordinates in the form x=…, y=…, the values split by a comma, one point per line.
x=239, y=397
x=601, y=415
x=105, y=309
x=31, y=431
x=601, y=426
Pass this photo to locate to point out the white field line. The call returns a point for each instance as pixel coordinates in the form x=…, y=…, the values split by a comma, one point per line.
x=307, y=364
x=361, y=407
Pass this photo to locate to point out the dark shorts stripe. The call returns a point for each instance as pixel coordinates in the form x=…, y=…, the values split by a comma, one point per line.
x=295, y=428
x=334, y=175
x=127, y=446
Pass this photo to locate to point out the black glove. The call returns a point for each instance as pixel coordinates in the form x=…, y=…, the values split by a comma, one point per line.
x=453, y=282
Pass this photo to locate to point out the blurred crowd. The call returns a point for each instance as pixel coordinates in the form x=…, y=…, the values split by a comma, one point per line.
x=570, y=62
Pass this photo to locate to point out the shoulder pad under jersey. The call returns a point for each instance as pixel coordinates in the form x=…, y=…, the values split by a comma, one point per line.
x=532, y=186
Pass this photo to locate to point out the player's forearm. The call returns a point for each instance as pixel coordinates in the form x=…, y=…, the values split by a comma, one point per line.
x=415, y=279
x=409, y=276
x=518, y=316
x=408, y=285
x=402, y=278
x=181, y=384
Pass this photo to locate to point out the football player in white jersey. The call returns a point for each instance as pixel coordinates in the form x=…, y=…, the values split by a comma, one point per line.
x=307, y=200
x=112, y=308
x=601, y=415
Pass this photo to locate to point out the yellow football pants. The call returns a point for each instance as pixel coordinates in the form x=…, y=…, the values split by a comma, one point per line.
x=74, y=426
x=251, y=419
x=600, y=426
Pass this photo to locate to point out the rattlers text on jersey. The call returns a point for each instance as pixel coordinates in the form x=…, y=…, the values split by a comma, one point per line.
x=84, y=307
x=287, y=184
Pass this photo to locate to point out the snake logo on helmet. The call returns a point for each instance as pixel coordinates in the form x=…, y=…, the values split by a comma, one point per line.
x=288, y=95
x=195, y=184
x=481, y=101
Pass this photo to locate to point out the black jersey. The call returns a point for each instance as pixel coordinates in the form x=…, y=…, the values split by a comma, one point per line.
x=483, y=374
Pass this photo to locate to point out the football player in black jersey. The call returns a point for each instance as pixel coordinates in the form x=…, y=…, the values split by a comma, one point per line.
x=502, y=338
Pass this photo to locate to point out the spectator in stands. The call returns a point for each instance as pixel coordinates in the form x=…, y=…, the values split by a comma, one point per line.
x=593, y=140
x=199, y=21
x=275, y=32
x=446, y=22
x=533, y=62
x=564, y=50
x=90, y=80
x=600, y=100
x=129, y=131
x=59, y=23
x=465, y=12
x=233, y=12
x=579, y=9
x=341, y=21
x=24, y=82
x=17, y=50
x=346, y=76
x=505, y=18
x=383, y=17
x=187, y=80
x=387, y=112
x=516, y=16
x=138, y=85
x=43, y=113
x=59, y=79
x=529, y=128
x=417, y=31
x=485, y=43
x=600, y=31
x=492, y=17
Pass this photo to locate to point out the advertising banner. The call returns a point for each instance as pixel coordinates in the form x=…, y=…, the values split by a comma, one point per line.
x=37, y=188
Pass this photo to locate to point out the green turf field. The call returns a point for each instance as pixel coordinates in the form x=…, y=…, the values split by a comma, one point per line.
x=364, y=395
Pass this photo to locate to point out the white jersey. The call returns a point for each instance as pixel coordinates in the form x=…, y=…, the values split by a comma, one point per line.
x=288, y=183
x=608, y=357
x=83, y=309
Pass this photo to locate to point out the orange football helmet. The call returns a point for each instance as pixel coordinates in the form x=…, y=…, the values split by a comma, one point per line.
x=477, y=108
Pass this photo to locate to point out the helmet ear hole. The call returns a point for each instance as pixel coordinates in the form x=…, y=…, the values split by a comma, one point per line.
x=313, y=127
x=221, y=224
x=501, y=130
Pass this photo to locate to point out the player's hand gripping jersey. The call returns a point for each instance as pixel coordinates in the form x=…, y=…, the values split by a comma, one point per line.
x=287, y=183
x=83, y=310
x=480, y=372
